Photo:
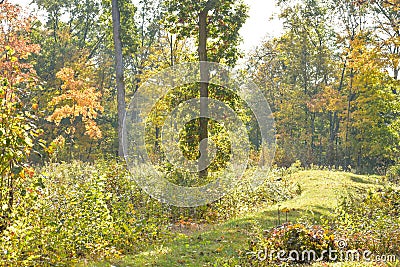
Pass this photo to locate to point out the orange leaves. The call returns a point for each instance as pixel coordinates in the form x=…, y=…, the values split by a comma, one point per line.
x=395, y=4
x=27, y=171
x=15, y=45
x=79, y=98
x=92, y=129
x=327, y=100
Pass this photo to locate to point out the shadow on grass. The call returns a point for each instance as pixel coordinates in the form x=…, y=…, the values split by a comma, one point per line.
x=360, y=180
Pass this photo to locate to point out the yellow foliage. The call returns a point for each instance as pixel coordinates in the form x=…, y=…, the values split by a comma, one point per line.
x=79, y=98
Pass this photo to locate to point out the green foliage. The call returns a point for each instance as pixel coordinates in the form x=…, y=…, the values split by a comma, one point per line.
x=76, y=210
x=371, y=221
x=393, y=174
x=17, y=135
x=244, y=198
x=364, y=220
x=74, y=34
x=224, y=22
x=333, y=98
x=332, y=91
x=189, y=139
x=70, y=211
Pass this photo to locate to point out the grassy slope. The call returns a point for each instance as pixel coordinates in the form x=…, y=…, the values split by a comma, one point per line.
x=217, y=244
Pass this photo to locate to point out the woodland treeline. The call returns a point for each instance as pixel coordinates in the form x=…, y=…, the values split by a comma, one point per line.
x=331, y=77
x=332, y=80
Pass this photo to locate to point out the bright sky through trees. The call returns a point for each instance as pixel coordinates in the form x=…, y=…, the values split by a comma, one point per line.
x=257, y=26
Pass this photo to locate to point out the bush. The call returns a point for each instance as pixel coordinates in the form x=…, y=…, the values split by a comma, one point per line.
x=244, y=198
x=17, y=134
x=69, y=212
x=293, y=243
x=371, y=222
x=393, y=174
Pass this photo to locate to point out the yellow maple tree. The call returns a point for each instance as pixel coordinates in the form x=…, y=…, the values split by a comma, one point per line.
x=79, y=98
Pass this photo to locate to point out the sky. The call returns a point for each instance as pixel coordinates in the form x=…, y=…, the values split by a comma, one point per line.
x=259, y=25
x=256, y=28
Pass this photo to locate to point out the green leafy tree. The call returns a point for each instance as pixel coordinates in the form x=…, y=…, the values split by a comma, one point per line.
x=215, y=26
x=17, y=121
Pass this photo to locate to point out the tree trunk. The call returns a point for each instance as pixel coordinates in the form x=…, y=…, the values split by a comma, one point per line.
x=335, y=121
x=204, y=75
x=347, y=147
x=119, y=71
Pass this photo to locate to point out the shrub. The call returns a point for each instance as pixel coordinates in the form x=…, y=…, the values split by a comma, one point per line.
x=393, y=174
x=72, y=211
x=295, y=243
x=17, y=135
x=243, y=198
x=371, y=222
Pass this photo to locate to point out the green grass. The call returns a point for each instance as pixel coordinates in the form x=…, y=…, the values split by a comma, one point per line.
x=223, y=243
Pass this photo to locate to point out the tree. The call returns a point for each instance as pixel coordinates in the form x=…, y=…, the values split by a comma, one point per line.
x=214, y=24
x=375, y=109
x=119, y=71
x=295, y=70
x=72, y=36
x=17, y=121
x=204, y=76
x=79, y=99
x=387, y=20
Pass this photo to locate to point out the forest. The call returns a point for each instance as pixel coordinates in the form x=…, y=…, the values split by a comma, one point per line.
x=292, y=146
